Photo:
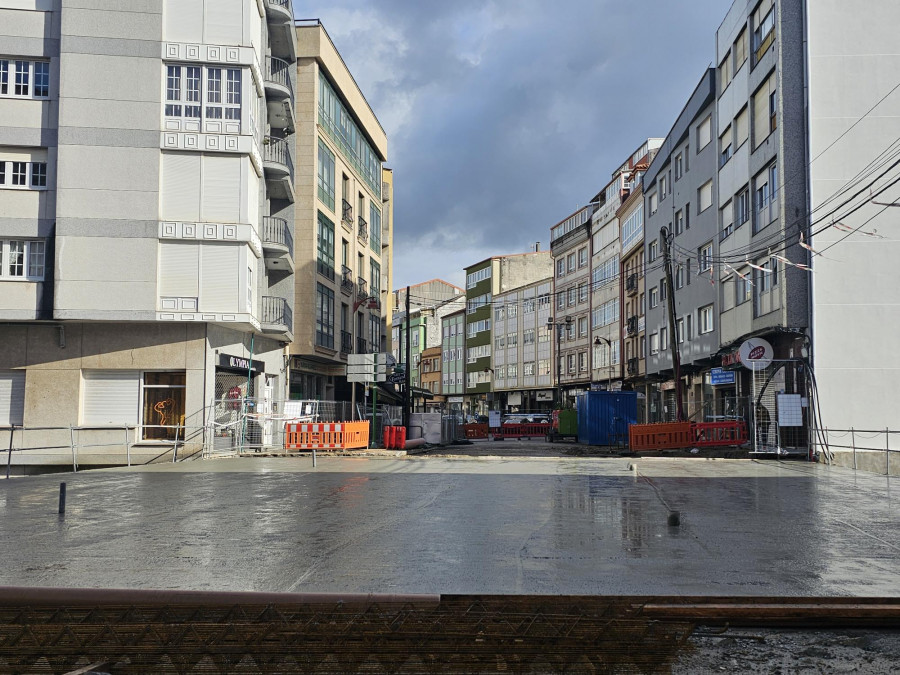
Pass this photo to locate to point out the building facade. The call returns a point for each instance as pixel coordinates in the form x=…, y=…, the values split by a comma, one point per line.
x=679, y=189
x=453, y=355
x=631, y=284
x=522, y=358
x=140, y=292
x=338, y=225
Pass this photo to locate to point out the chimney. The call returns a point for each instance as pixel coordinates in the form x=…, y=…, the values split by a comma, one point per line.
x=537, y=246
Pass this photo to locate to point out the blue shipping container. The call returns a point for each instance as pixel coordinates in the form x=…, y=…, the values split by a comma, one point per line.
x=604, y=416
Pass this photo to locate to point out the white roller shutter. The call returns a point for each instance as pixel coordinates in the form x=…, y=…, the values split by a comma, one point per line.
x=12, y=397
x=222, y=188
x=184, y=20
x=179, y=269
x=220, y=281
x=180, y=186
x=111, y=397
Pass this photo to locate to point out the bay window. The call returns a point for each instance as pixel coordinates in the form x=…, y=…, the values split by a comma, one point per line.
x=210, y=96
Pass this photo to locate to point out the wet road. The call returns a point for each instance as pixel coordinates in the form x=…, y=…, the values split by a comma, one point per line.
x=437, y=525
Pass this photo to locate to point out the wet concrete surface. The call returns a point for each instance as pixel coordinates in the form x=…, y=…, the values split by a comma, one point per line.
x=557, y=525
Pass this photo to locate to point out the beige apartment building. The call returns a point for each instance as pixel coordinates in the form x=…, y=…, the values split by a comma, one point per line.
x=631, y=283
x=342, y=270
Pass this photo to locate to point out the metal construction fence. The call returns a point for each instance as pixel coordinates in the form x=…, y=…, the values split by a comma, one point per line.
x=869, y=449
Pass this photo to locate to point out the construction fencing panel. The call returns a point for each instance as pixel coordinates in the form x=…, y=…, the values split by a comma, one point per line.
x=780, y=408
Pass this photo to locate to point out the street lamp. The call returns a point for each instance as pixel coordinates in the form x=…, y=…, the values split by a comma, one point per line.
x=597, y=341
x=566, y=323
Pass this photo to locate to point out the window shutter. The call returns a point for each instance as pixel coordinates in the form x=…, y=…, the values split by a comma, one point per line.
x=12, y=397
x=220, y=277
x=741, y=129
x=761, y=112
x=111, y=397
x=179, y=269
x=222, y=184
x=180, y=184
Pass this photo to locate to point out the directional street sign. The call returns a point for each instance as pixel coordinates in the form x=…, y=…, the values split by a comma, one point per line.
x=366, y=368
x=397, y=378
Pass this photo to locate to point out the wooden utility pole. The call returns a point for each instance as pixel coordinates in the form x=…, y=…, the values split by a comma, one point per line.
x=665, y=240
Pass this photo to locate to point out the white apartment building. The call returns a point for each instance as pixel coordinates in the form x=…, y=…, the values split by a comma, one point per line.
x=146, y=192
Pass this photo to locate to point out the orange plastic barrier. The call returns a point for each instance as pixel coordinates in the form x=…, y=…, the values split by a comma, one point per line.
x=662, y=436
x=328, y=436
x=476, y=430
x=720, y=433
x=533, y=430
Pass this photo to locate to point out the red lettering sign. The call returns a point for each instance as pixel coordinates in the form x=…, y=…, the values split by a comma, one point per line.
x=756, y=353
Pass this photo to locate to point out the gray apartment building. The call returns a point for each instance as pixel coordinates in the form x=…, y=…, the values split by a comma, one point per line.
x=679, y=195
x=146, y=185
x=453, y=354
x=570, y=247
x=523, y=348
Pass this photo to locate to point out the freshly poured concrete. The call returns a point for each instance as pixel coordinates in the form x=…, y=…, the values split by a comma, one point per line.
x=474, y=525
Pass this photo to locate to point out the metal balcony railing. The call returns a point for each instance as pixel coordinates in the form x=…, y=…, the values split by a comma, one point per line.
x=363, y=232
x=277, y=150
x=279, y=3
x=276, y=311
x=375, y=301
x=276, y=231
x=346, y=280
x=362, y=290
x=347, y=213
x=362, y=347
x=325, y=268
x=346, y=342
x=632, y=366
x=631, y=283
x=279, y=72
x=632, y=325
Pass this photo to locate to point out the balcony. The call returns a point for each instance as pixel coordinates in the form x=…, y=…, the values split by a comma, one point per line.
x=280, y=17
x=278, y=244
x=346, y=342
x=362, y=347
x=632, y=367
x=347, y=214
x=278, y=165
x=631, y=326
x=362, y=232
x=277, y=316
x=346, y=281
x=362, y=290
x=374, y=302
x=631, y=284
x=279, y=94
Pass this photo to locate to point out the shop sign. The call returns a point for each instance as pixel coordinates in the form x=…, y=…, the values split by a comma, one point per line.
x=667, y=386
x=238, y=363
x=544, y=396
x=731, y=360
x=720, y=376
x=756, y=354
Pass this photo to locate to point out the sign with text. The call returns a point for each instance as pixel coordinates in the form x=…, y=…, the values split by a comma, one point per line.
x=366, y=368
x=720, y=376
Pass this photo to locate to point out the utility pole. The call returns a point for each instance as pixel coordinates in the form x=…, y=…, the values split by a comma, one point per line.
x=665, y=240
x=407, y=399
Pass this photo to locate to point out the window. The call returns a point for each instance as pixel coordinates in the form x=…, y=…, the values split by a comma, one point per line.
x=22, y=259
x=704, y=133
x=528, y=306
x=571, y=262
x=742, y=207
x=663, y=186
x=374, y=279
x=24, y=79
x=764, y=114
x=664, y=336
x=499, y=312
x=325, y=317
x=474, y=304
x=570, y=362
x=663, y=289
x=326, y=175
x=654, y=343
x=725, y=72
x=582, y=292
x=765, y=281
x=653, y=251
x=185, y=96
x=512, y=311
x=582, y=362
x=740, y=50
x=726, y=220
x=741, y=128
x=679, y=222
x=704, y=196
x=705, y=315
x=528, y=337
x=633, y=228
x=162, y=405
x=543, y=366
x=704, y=255
x=654, y=297
x=561, y=268
x=725, y=147
x=374, y=228
x=572, y=294
x=653, y=203
x=582, y=256
x=512, y=371
x=561, y=300
x=764, y=29
x=512, y=340
x=528, y=369
x=476, y=277
x=582, y=326
x=743, y=287
x=679, y=165
x=23, y=175
x=679, y=331
x=679, y=277
x=325, y=247
x=764, y=197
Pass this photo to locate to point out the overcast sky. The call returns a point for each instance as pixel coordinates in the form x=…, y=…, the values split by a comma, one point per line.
x=504, y=116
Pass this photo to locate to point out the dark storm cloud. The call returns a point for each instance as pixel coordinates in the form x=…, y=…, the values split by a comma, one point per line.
x=503, y=117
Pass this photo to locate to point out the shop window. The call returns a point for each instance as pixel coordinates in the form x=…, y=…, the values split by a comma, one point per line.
x=162, y=406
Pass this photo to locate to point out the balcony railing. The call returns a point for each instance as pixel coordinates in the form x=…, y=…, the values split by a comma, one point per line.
x=276, y=231
x=278, y=71
x=362, y=347
x=375, y=301
x=346, y=342
x=277, y=312
x=362, y=290
x=363, y=231
x=346, y=280
x=632, y=366
x=326, y=269
x=631, y=284
x=277, y=150
x=632, y=325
